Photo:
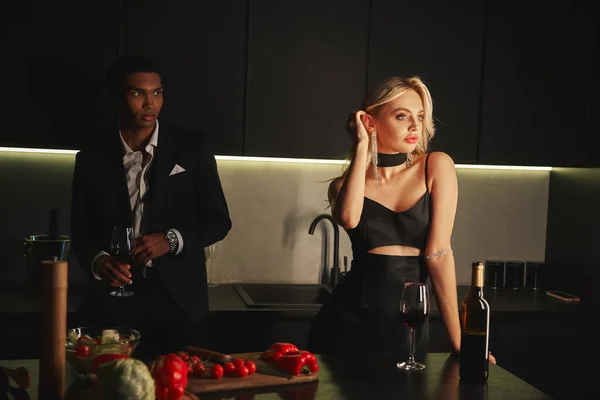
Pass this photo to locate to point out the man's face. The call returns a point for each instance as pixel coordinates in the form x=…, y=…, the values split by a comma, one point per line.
x=142, y=100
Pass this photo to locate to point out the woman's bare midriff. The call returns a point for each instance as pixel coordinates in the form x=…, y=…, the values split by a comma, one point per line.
x=396, y=251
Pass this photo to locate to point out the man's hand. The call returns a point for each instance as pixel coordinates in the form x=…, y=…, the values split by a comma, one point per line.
x=149, y=247
x=115, y=273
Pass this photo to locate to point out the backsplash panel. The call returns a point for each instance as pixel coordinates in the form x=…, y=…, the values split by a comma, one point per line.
x=501, y=214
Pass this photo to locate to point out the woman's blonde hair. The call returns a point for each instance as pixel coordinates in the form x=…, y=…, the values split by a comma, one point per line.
x=390, y=89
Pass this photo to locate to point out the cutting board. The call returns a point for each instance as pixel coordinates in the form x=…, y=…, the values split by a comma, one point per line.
x=256, y=380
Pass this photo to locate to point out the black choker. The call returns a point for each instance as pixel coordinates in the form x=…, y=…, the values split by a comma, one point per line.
x=391, y=160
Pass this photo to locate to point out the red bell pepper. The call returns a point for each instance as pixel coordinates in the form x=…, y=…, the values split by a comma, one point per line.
x=284, y=348
x=311, y=361
x=293, y=364
x=171, y=377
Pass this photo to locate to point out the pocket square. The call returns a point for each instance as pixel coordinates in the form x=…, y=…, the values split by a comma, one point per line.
x=176, y=170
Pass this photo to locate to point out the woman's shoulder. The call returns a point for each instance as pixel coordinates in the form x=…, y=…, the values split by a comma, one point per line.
x=438, y=160
x=334, y=186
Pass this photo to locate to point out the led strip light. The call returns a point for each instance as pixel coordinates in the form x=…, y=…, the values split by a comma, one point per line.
x=285, y=160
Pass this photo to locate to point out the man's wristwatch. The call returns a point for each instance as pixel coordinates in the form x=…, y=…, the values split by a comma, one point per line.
x=173, y=241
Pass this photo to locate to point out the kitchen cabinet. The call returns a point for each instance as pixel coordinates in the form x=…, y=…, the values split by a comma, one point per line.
x=442, y=43
x=536, y=83
x=200, y=48
x=306, y=72
x=539, y=349
x=54, y=57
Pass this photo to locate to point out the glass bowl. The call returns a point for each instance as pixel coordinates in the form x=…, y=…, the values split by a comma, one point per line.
x=85, y=343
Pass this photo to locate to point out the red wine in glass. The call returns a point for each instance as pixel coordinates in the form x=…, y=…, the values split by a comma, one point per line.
x=122, y=256
x=414, y=317
x=414, y=309
x=122, y=246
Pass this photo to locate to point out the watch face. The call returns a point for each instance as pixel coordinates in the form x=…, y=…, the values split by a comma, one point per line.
x=171, y=235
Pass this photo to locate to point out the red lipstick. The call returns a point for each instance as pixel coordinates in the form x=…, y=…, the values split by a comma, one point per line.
x=411, y=139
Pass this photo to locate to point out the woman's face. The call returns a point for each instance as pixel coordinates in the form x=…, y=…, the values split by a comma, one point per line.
x=399, y=124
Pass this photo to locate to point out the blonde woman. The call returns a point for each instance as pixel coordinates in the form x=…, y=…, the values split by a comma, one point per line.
x=397, y=203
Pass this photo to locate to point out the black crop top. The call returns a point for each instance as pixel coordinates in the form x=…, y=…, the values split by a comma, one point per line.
x=380, y=226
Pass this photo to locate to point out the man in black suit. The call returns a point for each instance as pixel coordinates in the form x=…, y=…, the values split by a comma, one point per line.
x=163, y=182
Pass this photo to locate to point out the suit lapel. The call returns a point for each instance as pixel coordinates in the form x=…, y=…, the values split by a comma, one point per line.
x=159, y=171
x=116, y=175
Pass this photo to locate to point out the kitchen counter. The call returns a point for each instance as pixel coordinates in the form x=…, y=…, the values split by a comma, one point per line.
x=528, y=329
x=21, y=299
x=377, y=377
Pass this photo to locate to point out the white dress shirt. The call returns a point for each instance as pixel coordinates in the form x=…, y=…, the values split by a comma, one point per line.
x=137, y=164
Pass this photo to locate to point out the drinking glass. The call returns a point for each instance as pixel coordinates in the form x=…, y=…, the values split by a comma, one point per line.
x=122, y=246
x=414, y=308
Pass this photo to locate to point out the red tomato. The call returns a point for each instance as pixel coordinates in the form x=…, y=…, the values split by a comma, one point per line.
x=195, y=359
x=84, y=339
x=217, y=371
x=230, y=368
x=242, y=370
x=238, y=361
x=199, y=370
x=251, y=365
x=82, y=350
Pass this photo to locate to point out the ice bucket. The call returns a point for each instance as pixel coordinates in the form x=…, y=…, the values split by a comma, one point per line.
x=39, y=248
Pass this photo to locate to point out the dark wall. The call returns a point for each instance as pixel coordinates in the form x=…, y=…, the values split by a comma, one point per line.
x=201, y=48
x=572, y=232
x=54, y=55
x=274, y=78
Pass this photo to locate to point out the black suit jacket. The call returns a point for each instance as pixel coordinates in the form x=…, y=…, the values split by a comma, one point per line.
x=191, y=202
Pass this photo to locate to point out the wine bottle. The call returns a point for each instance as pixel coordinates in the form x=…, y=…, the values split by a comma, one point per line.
x=475, y=321
x=53, y=233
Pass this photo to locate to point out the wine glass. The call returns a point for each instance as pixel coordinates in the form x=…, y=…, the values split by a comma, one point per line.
x=209, y=255
x=122, y=245
x=414, y=309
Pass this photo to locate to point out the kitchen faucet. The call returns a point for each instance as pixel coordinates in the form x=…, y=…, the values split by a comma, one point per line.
x=335, y=271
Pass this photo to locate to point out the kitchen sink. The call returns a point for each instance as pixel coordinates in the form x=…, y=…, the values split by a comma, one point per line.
x=289, y=296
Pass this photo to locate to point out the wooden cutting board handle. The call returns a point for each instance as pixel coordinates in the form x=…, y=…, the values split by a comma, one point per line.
x=209, y=355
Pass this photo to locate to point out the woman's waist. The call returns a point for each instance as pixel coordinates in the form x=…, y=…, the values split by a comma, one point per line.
x=383, y=269
x=365, y=259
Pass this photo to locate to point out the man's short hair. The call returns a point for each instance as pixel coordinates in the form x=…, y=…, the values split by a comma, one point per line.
x=126, y=65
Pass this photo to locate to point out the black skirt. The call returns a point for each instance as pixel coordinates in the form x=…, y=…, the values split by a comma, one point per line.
x=363, y=314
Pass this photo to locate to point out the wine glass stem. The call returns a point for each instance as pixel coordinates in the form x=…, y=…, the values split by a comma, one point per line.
x=411, y=357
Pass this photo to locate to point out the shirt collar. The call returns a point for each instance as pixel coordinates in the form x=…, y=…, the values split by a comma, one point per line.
x=152, y=144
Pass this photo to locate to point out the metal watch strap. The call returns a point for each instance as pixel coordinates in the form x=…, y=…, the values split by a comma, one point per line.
x=173, y=242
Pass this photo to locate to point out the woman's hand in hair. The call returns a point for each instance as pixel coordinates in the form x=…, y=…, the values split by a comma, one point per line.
x=356, y=128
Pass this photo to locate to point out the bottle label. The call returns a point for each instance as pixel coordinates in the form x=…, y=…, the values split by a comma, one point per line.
x=474, y=356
